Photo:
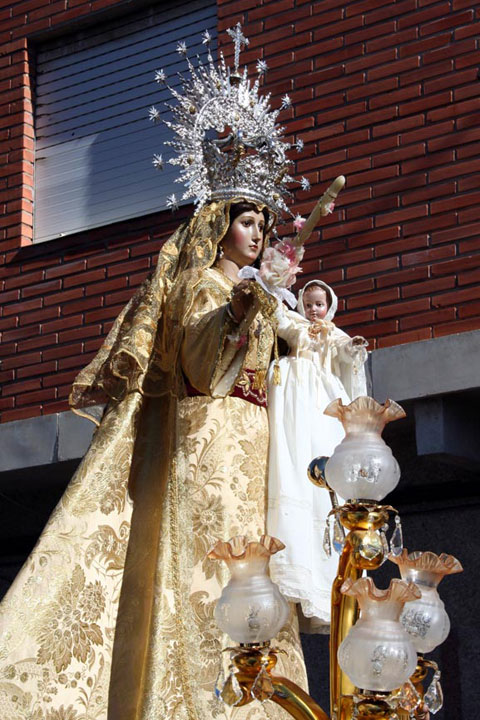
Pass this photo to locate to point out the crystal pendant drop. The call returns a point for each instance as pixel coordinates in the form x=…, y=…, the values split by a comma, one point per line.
x=407, y=698
x=371, y=545
x=262, y=688
x=383, y=537
x=338, y=537
x=355, y=708
x=219, y=683
x=327, y=545
x=433, y=698
x=232, y=692
x=396, y=541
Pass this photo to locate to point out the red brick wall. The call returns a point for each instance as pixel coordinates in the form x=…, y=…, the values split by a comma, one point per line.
x=60, y=300
x=387, y=94
x=384, y=92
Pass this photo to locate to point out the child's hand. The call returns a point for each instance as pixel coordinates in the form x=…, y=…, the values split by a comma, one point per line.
x=358, y=340
x=356, y=348
x=317, y=328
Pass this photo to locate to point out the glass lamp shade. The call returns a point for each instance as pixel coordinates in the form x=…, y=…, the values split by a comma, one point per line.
x=362, y=465
x=251, y=609
x=377, y=654
x=425, y=619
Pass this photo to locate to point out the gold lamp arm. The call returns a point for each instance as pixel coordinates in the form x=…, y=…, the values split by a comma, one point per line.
x=361, y=520
x=249, y=662
x=295, y=701
x=344, y=613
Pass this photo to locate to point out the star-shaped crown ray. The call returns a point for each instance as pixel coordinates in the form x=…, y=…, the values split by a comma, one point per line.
x=226, y=136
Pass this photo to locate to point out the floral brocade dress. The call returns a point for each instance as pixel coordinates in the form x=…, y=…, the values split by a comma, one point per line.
x=111, y=617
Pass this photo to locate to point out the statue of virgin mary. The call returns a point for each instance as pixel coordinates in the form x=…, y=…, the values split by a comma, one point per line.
x=111, y=617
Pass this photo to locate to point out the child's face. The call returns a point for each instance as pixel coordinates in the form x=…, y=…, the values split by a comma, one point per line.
x=315, y=303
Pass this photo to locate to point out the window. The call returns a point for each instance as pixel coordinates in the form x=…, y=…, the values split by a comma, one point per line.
x=94, y=141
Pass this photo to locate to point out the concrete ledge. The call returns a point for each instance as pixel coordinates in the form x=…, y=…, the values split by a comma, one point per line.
x=404, y=372
x=74, y=436
x=426, y=368
x=44, y=440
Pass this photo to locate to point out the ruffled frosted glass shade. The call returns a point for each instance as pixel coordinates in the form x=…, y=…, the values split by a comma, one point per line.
x=377, y=653
x=362, y=465
x=425, y=619
x=251, y=608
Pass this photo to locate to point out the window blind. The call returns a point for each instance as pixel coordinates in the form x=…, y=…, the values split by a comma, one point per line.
x=94, y=141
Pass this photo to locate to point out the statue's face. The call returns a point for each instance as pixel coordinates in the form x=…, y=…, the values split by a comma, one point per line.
x=244, y=239
x=315, y=303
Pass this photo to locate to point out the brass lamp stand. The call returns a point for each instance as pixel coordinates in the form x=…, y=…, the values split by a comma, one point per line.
x=363, y=550
x=388, y=638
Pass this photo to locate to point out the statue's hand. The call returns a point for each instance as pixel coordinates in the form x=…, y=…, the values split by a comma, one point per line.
x=241, y=300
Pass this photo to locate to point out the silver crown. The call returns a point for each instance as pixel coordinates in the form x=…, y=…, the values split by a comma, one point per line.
x=227, y=140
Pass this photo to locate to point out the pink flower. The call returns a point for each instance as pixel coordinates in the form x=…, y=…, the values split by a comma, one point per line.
x=287, y=248
x=280, y=264
x=298, y=223
x=330, y=207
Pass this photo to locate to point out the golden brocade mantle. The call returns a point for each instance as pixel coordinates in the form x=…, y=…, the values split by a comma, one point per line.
x=111, y=617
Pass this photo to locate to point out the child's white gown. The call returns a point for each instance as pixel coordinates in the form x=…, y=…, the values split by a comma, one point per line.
x=316, y=372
